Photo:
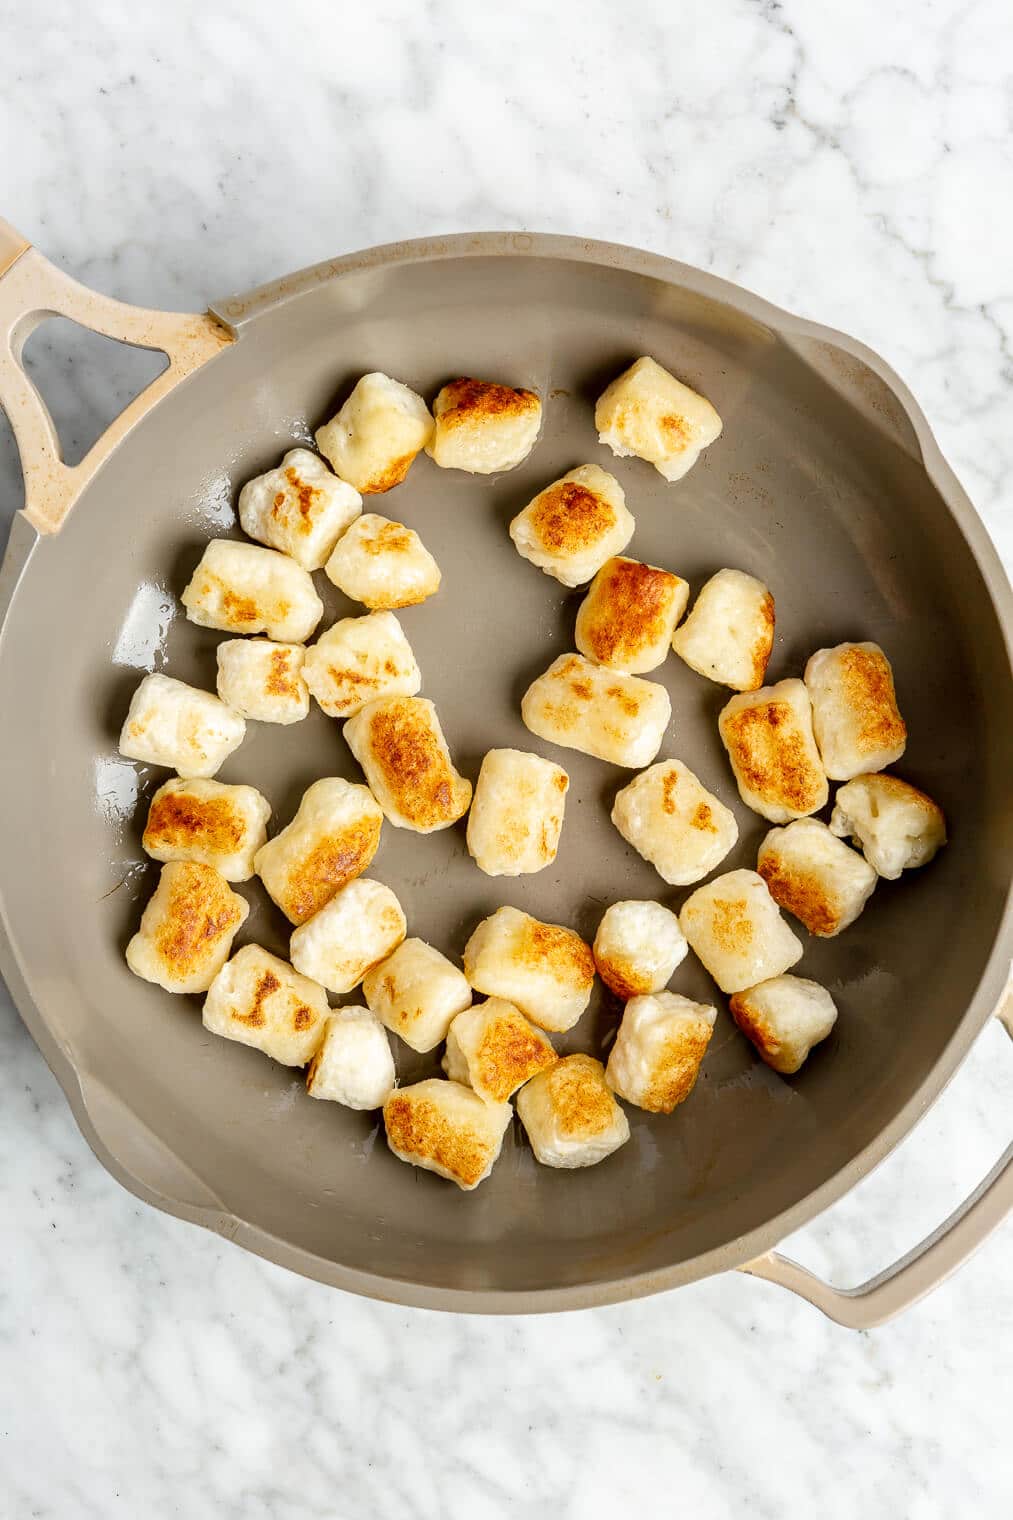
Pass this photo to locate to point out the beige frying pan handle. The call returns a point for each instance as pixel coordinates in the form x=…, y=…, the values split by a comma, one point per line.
x=31, y=290
x=922, y=1270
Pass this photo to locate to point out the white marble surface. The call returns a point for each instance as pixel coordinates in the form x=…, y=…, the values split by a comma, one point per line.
x=852, y=162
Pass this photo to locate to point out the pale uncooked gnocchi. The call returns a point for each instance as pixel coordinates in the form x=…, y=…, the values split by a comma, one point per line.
x=300, y=508
x=856, y=720
x=545, y=969
x=784, y=1018
x=446, y=1128
x=729, y=634
x=243, y=588
x=769, y=738
x=735, y=928
x=399, y=743
x=208, y=823
x=379, y=430
x=483, y=427
x=812, y=875
x=570, y=1115
x=493, y=1049
x=262, y=680
x=383, y=564
x=627, y=619
x=359, y=659
x=259, y=1000
x=658, y=1049
x=896, y=825
x=621, y=719
x=516, y=813
x=186, y=930
x=170, y=723
x=647, y=412
x=417, y=993
x=572, y=527
x=637, y=947
x=330, y=841
x=357, y=929
x=353, y=1065
x=671, y=819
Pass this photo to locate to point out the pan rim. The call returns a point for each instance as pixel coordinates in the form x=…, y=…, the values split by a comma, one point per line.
x=236, y=312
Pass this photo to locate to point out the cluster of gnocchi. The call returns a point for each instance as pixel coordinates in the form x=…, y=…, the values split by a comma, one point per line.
x=348, y=931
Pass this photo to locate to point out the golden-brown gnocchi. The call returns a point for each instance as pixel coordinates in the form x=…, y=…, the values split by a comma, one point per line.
x=856, y=720
x=399, y=743
x=627, y=619
x=517, y=813
x=637, y=947
x=733, y=925
x=208, y=823
x=483, y=427
x=769, y=738
x=545, y=969
x=570, y=1115
x=330, y=841
x=493, y=1049
x=243, y=588
x=383, y=564
x=784, y=1018
x=359, y=659
x=259, y=1000
x=446, y=1128
x=586, y=707
x=674, y=822
x=262, y=680
x=572, y=527
x=658, y=1049
x=379, y=430
x=811, y=874
x=647, y=412
x=300, y=509
x=187, y=928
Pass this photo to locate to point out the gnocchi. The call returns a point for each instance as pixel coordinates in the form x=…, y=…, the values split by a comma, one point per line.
x=897, y=827
x=300, y=509
x=637, y=948
x=784, y=1018
x=856, y=720
x=446, y=1128
x=729, y=634
x=372, y=441
x=242, y=588
x=259, y=1000
x=357, y=929
x=208, y=823
x=517, y=813
x=359, y=659
x=383, y=564
x=353, y=1065
x=658, y=1050
x=812, y=875
x=330, y=841
x=417, y=993
x=627, y=619
x=483, y=427
x=674, y=822
x=648, y=413
x=172, y=724
x=733, y=925
x=399, y=743
x=493, y=1049
x=545, y=969
x=570, y=1115
x=263, y=681
x=186, y=930
x=621, y=719
x=572, y=527
x=769, y=738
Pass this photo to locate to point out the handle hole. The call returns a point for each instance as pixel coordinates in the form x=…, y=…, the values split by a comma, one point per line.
x=86, y=379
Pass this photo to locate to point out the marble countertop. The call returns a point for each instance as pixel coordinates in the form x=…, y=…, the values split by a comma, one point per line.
x=852, y=163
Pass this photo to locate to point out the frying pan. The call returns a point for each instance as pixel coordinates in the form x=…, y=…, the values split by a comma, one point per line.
x=826, y=483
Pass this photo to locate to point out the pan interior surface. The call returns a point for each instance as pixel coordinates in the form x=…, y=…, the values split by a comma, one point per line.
x=804, y=489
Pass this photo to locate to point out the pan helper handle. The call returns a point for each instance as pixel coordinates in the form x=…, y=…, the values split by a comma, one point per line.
x=922, y=1270
x=32, y=290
